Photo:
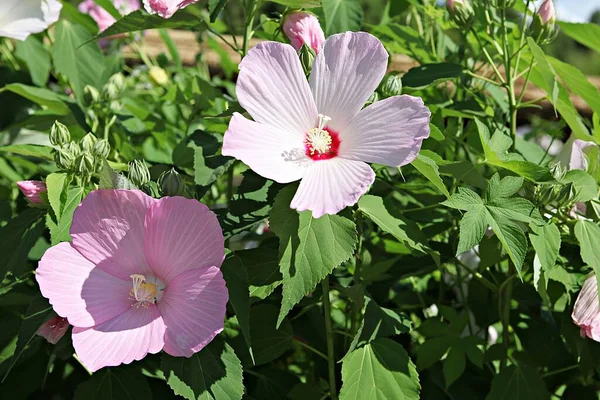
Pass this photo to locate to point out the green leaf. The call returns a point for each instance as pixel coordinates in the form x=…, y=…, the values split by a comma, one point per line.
x=586, y=34
x=588, y=235
x=379, y=322
x=140, y=20
x=110, y=179
x=209, y=164
x=309, y=248
x=454, y=365
x=263, y=271
x=29, y=150
x=465, y=199
x=55, y=183
x=37, y=313
x=17, y=237
x=429, y=169
x=405, y=231
x=577, y=82
x=342, y=15
x=511, y=236
x=268, y=341
x=519, y=383
x=33, y=53
x=380, y=370
x=59, y=232
x=298, y=3
x=236, y=278
x=40, y=96
x=121, y=383
x=584, y=185
x=81, y=64
x=545, y=240
x=214, y=373
x=472, y=228
x=430, y=74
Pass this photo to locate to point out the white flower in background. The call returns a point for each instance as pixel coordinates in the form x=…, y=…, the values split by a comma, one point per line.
x=21, y=18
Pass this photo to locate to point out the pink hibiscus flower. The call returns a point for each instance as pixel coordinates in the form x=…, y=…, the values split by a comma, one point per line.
x=140, y=276
x=303, y=27
x=318, y=132
x=103, y=17
x=32, y=191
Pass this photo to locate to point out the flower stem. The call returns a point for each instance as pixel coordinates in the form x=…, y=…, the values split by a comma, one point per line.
x=329, y=335
x=251, y=8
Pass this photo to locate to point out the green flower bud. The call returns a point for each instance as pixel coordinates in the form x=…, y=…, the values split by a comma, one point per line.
x=85, y=164
x=565, y=195
x=59, y=134
x=307, y=57
x=65, y=155
x=461, y=12
x=391, y=85
x=543, y=27
x=118, y=80
x=101, y=148
x=170, y=183
x=373, y=98
x=158, y=76
x=139, y=174
x=90, y=95
x=88, y=142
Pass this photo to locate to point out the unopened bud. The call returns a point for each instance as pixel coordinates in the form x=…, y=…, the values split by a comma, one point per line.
x=88, y=142
x=543, y=27
x=373, y=98
x=391, y=85
x=139, y=174
x=33, y=190
x=565, y=195
x=85, y=164
x=59, y=134
x=301, y=28
x=118, y=80
x=64, y=157
x=101, y=148
x=158, y=76
x=307, y=57
x=461, y=11
x=170, y=183
x=90, y=95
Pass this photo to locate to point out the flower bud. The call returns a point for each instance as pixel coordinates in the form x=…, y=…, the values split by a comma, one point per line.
x=574, y=154
x=85, y=164
x=461, y=11
x=158, y=76
x=373, y=98
x=32, y=191
x=65, y=155
x=101, y=148
x=118, y=80
x=54, y=329
x=391, y=85
x=139, y=174
x=170, y=183
x=90, y=95
x=59, y=134
x=307, y=57
x=565, y=195
x=543, y=27
x=586, y=312
x=88, y=142
x=303, y=28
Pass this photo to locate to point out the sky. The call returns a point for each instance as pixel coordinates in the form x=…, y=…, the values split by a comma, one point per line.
x=575, y=10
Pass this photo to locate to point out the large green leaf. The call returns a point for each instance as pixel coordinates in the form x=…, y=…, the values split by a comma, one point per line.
x=577, y=83
x=429, y=169
x=81, y=64
x=545, y=240
x=33, y=53
x=59, y=230
x=140, y=20
x=431, y=74
x=588, y=235
x=121, y=383
x=586, y=34
x=55, y=185
x=380, y=370
x=17, y=237
x=268, y=341
x=214, y=373
x=309, y=248
x=29, y=150
x=342, y=15
x=518, y=383
x=41, y=96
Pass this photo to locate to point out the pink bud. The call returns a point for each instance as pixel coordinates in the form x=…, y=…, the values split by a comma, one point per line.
x=32, y=190
x=54, y=329
x=547, y=11
x=450, y=4
x=586, y=313
x=303, y=27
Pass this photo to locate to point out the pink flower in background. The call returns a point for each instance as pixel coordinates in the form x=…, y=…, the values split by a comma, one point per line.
x=166, y=8
x=318, y=132
x=573, y=155
x=547, y=11
x=54, y=329
x=303, y=27
x=32, y=190
x=140, y=276
x=586, y=313
x=103, y=17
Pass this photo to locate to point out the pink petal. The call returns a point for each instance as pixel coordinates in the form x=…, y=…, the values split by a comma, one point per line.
x=166, y=8
x=331, y=185
x=79, y=291
x=108, y=230
x=345, y=73
x=273, y=89
x=265, y=149
x=182, y=234
x=193, y=308
x=32, y=190
x=54, y=329
x=303, y=27
x=388, y=132
x=128, y=337
x=587, y=306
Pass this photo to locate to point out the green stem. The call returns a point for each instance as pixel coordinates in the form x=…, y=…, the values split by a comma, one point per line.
x=504, y=298
x=252, y=7
x=329, y=335
x=510, y=81
x=309, y=347
x=558, y=371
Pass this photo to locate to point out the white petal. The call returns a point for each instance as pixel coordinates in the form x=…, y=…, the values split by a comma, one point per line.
x=329, y=186
x=345, y=73
x=19, y=19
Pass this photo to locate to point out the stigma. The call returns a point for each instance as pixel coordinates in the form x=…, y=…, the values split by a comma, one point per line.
x=145, y=291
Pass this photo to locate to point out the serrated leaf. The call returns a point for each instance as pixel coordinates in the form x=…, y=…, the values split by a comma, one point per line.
x=342, y=15
x=59, y=232
x=584, y=185
x=214, y=373
x=110, y=179
x=380, y=370
x=511, y=236
x=309, y=248
x=55, y=184
x=121, y=383
x=503, y=188
x=429, y=169
x=518, y=383
x=465, y=199
x=545, y=240
x=472, y=228
x=379, y=322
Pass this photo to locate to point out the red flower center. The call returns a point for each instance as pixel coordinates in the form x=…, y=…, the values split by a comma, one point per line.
x=321, y=143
